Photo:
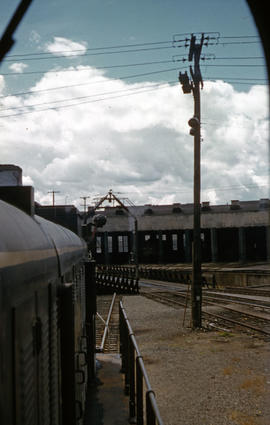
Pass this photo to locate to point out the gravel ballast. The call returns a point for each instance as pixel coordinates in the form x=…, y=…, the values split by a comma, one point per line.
x=201, y=378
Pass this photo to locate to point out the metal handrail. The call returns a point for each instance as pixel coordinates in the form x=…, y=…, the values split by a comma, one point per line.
x=135, y=373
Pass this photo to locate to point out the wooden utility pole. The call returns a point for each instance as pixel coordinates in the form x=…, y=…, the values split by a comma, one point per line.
x=195, y=124
x=53, y=195
x=196, y=292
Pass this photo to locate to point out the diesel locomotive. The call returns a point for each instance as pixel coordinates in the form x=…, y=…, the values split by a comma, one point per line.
x=47, y=305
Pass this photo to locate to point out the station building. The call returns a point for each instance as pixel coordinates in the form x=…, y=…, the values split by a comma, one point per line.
x=236, y=232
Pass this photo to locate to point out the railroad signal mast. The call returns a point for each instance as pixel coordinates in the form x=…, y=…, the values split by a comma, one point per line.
x=192, y=84
x=84, y=205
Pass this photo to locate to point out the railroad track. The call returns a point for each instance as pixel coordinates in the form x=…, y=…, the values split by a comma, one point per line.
x=255, y=317
x=107, y=323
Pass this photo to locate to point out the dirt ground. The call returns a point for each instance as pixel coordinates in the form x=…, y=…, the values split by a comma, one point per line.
x=216, y=377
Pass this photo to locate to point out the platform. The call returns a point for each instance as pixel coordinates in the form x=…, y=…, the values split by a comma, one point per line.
x=106, y=403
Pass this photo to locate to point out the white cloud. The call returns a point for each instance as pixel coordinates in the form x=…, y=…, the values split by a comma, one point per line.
x=18, y=67
x=137, y=145
x=66, y=47
x=2, y=84
x=27, y=181
x=34, y=37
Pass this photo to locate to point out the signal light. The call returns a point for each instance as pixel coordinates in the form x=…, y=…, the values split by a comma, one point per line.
x=194, y=123
x=99, y=220
x=184, y=80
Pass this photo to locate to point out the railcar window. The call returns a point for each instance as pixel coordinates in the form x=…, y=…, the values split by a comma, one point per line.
x=110, y=245
x=174, y=242
x=122, y=243
x=98, y=245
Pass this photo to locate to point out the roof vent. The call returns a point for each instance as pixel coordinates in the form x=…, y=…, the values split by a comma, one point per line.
x=206, y=206
x=149, y=211
x=10, y=175
x=235, y=204
x=12, y=191
x=264, y=203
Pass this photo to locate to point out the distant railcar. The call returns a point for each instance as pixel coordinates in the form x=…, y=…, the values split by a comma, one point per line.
x=43, y=364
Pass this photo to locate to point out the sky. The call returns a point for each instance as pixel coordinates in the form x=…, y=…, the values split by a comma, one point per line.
x=90, y=101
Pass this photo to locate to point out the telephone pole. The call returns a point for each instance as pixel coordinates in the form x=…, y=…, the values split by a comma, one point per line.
x=84, y=202
x=195, y=124
x=53, y=195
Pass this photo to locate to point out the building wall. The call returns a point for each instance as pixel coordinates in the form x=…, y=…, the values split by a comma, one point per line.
x=235, y=232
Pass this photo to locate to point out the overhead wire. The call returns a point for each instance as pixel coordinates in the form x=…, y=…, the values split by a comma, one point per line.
x=87, y=68
x=119, y=46
x=165, y=85
x=138, y=64
x=95, y=54
x=111, y=49
x=212, y=78
x=216, y=188
x=88, y=96
x=92, y=49
x=97, y=94
x=127, y=65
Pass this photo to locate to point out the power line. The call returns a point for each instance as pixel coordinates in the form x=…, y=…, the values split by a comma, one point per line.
x=240, y=36
x=86, y=97
x=92, y=49
x=239, y=42
x=93, y=54
x=84, y=102
x=239, y=78
x=84, y=69
x=231, y=81
x=212, y=78
x=131, y=65
x=109, y=80
x=152, y=87
x=123, y=46
x=217, y=189
x=239, y=57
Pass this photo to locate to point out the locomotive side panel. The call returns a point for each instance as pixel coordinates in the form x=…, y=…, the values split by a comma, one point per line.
x=25, y=364
x=36, y=257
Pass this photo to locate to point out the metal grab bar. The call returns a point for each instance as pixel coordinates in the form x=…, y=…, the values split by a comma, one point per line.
x=106, y=328
x=135, y=373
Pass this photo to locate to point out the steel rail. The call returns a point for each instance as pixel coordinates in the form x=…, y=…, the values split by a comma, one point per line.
x=106, y=328
x=225, y=319
x=209, y=299
x=219, y=297
x=245, y=325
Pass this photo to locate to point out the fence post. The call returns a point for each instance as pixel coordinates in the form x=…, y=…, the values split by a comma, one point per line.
x=150, y=417
x=90, y=322
x=123, y=350
x=132, y=410
x=139, y=392
x=127, y=346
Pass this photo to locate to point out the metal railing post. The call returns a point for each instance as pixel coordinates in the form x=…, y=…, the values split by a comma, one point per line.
x=139, y=392
x=121, y=337
x=127, y=359
x=150, y=417
x=132, y=410
x=136, y=378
